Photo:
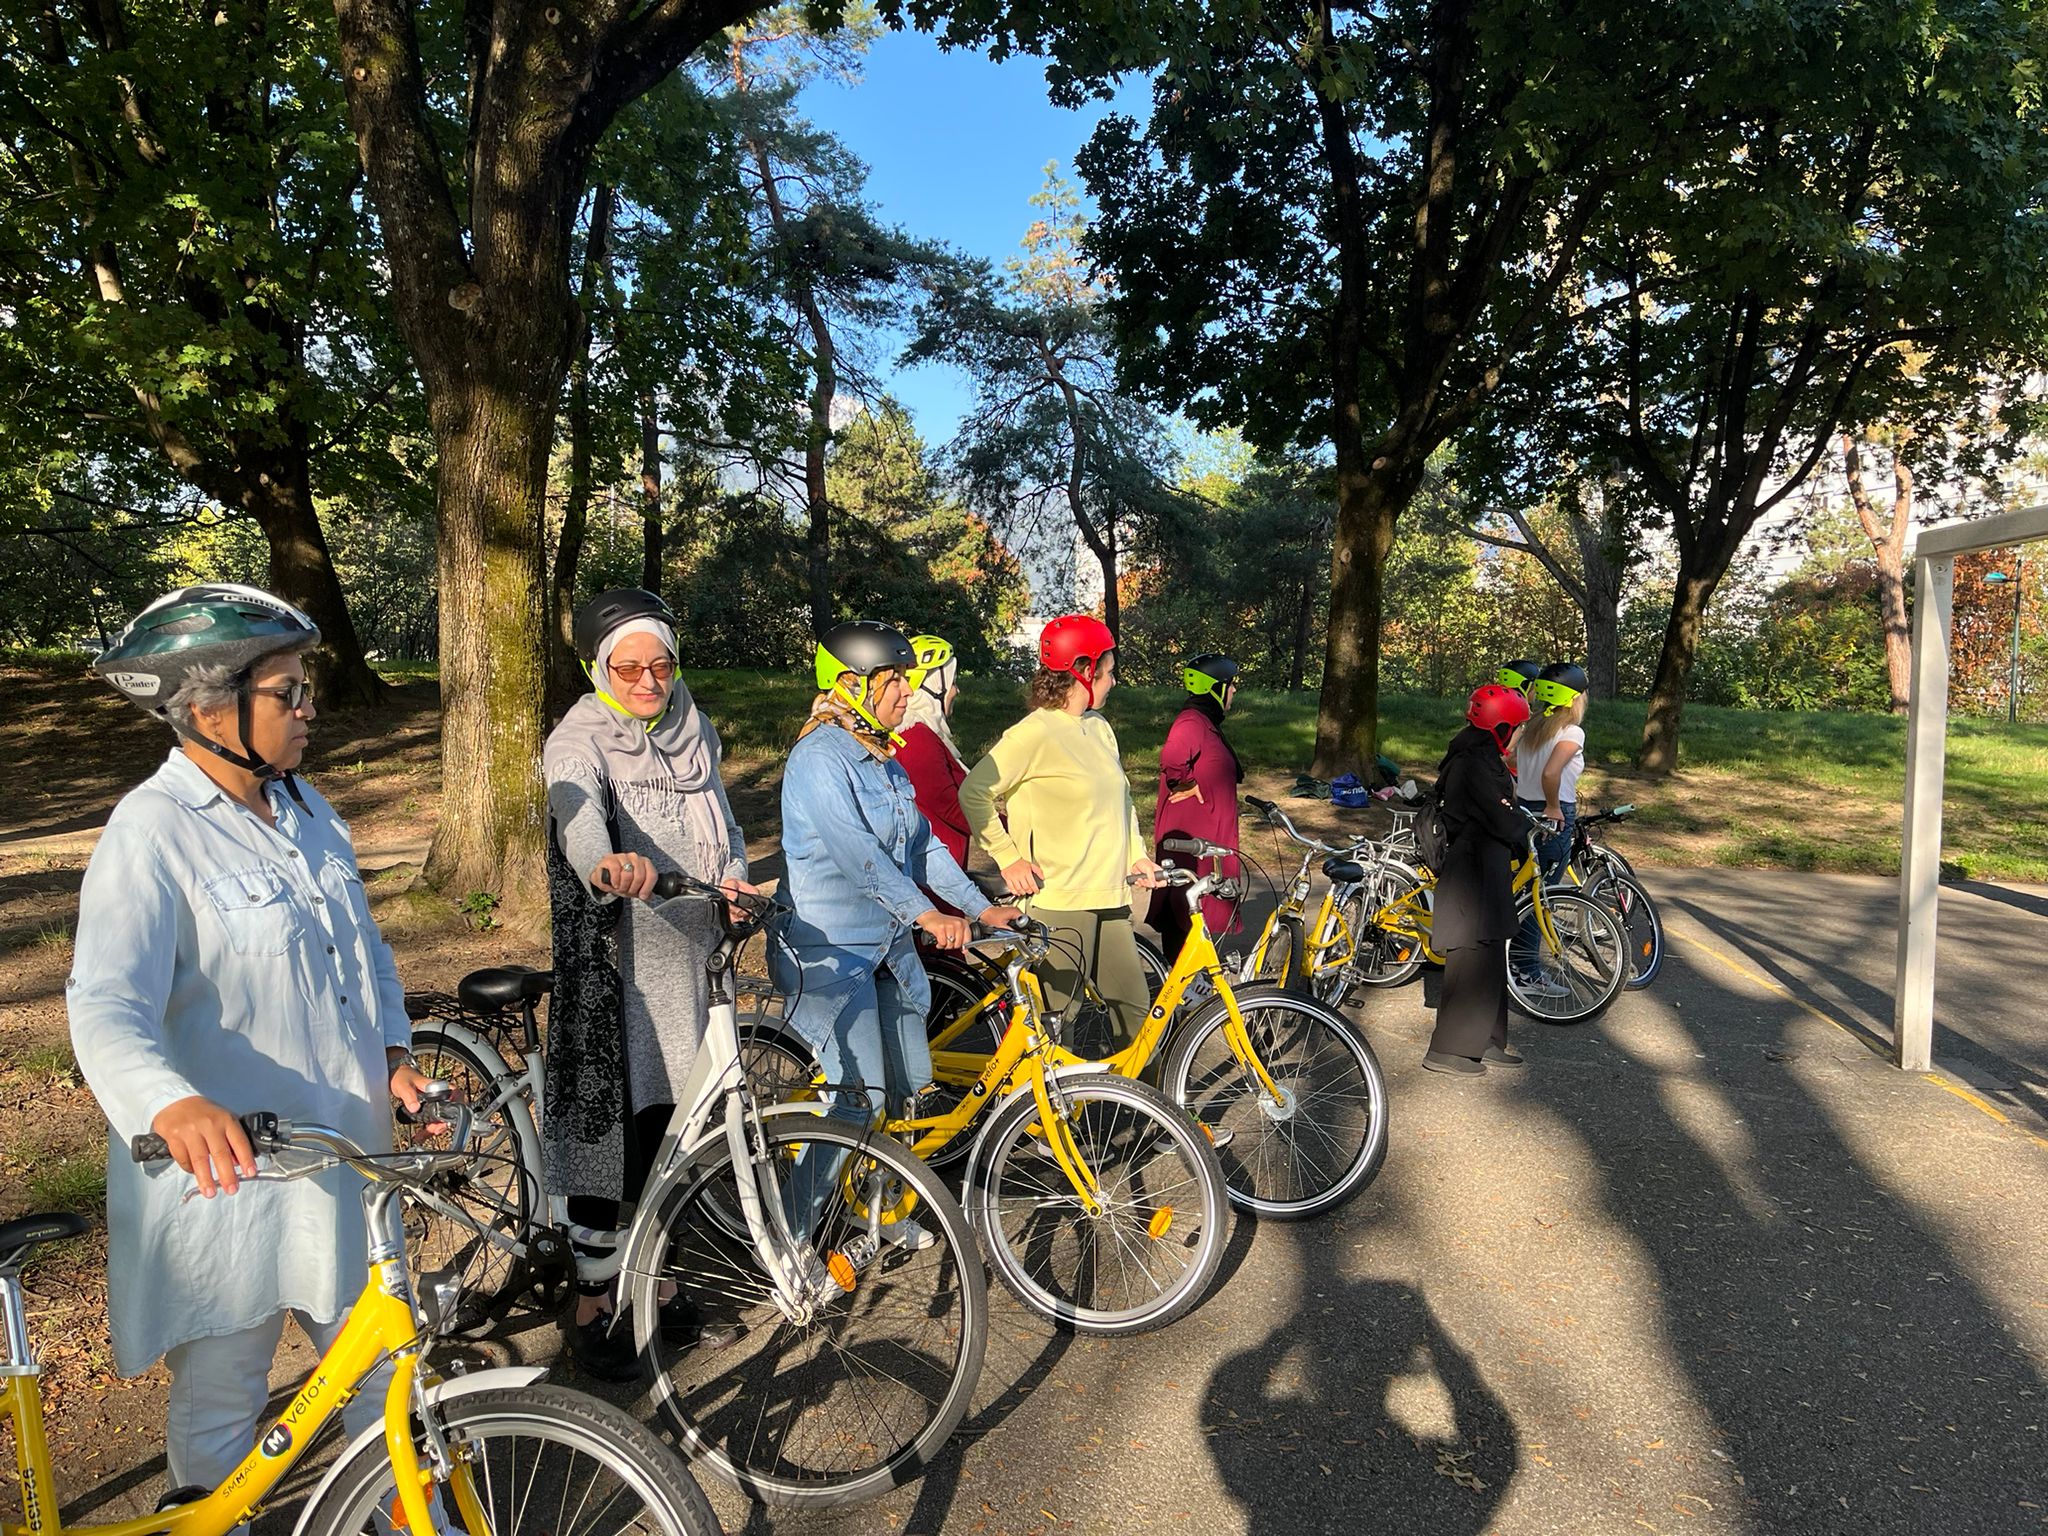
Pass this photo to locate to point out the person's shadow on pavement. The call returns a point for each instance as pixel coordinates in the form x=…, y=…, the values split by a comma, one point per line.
x=1359, y=1413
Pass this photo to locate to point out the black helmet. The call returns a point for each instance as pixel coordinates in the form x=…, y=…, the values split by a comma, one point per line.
x=1518, y=674
x=1209, y=673
x=865, y=646
x=1557, y=685
x=608, y=610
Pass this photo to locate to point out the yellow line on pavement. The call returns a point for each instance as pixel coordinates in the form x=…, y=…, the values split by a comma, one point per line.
x=1862, y=1036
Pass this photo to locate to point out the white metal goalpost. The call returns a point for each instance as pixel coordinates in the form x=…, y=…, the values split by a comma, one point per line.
x=1934, y=579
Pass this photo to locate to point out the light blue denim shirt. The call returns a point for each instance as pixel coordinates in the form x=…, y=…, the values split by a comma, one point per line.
x=858, y=849
x=220, y=956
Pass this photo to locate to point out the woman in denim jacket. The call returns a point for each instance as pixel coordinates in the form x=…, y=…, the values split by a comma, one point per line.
x=859, y=854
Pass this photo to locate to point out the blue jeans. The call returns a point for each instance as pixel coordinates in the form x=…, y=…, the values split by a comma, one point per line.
x=1552, y=853
x=865, y=1033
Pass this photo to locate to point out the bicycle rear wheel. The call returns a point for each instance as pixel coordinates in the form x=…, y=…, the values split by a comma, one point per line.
x=1586, y=971
x=536, y=1457
x=1322, y=1140
x=853, y=1401
x=499, y=1195
x=1151, y=1251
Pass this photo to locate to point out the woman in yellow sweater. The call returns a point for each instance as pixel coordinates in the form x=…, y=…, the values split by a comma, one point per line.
x=1072, y=843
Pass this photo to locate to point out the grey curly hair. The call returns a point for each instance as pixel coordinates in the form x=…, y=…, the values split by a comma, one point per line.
x=213, y=687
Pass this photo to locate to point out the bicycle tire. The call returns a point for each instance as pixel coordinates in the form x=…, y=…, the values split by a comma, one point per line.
x=1645, y=926
x=566, y=1429
x=1381, y=957
x=740, y=1410
x=503, y=1193
x=1592, y=963
x=1315, y=1054
x=1022, y=1203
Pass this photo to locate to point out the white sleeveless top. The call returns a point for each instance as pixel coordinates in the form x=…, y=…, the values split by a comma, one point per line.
x=1529, y=767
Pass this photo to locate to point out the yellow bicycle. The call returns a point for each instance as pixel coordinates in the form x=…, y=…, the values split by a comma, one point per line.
x=1576, y=966
x=1287, y=1088
x=470, y=1455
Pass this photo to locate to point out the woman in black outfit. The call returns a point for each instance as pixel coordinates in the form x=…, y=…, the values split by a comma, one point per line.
x=1475, y=903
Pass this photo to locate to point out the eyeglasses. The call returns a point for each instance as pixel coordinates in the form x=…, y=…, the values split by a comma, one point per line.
x=628, y=672
x=295, y=696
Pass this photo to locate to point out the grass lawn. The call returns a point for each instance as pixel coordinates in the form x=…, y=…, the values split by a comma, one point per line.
x=1755, y=788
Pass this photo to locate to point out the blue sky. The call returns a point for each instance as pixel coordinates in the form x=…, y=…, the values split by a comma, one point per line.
x=955, y=146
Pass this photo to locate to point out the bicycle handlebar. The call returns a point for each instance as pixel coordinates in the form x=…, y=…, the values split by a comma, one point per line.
x=266, y=1134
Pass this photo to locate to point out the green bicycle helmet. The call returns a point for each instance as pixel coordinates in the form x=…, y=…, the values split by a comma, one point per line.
x=214, y=624
x=1518, y=674
x=858, y=649
x=1557, y=685
x=936, y=663
x=1210, y=673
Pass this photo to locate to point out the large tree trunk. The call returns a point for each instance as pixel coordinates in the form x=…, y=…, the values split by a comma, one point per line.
x=1659, y=751
x=566, y=682
x=1368, y=503
x=278, y=494
x=1888, y=540
x=650, y=496
x=1602, y=567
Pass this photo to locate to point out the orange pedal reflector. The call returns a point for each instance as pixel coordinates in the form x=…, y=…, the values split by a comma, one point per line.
x=1208, y=1130
x=840, y=1267
x=1161, y=1222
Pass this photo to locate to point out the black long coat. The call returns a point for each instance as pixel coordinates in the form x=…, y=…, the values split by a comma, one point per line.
x=1475, y=901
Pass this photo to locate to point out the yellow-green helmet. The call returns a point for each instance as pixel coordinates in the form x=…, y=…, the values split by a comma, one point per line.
x=855, y=651
x=1556, y=686
x=1518, y=675
x=1209, y=673
x=935, y=663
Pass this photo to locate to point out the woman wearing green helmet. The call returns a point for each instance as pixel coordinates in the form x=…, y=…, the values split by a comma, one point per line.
x=1198, y=782
x=928, y=753
x=1550, y=754
x=862, y=860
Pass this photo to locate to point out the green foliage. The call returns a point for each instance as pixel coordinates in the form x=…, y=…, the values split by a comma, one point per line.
x=481, y=908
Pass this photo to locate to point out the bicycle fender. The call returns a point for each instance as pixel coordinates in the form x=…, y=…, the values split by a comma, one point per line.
x=994, y=1111
x=441, y=1392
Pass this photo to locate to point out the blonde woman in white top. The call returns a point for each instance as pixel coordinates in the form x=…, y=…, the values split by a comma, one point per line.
x=1550, y=754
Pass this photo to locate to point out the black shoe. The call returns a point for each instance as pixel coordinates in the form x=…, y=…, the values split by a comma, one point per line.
x=684, y=1326
x=1501, y=1056
x=1443, y=1061
x=177, y=1496
x=600, y=1350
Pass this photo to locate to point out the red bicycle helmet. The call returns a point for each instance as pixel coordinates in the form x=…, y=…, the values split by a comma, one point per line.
x=1499, y=710
x=1075, y=644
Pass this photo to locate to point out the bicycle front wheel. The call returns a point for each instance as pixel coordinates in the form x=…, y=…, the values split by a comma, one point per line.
x=1149, y=1252
x=1583, y=974
x=537, y=1457
x=852, y=1401
x=1321, y=1139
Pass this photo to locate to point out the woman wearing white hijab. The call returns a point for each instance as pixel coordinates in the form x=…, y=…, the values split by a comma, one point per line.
x=928, y=752
x=633, y=791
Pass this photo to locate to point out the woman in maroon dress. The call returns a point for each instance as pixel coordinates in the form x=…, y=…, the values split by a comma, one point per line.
x=928, y=753
x=1198, y=780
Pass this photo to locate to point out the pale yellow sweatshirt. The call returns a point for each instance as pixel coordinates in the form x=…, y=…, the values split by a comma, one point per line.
x=1061, y=780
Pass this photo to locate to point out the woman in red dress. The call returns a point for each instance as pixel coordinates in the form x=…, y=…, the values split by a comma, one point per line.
x=928, y=753
x=1198, y=780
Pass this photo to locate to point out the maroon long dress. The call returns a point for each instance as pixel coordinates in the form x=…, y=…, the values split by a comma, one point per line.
x=1195, y=754
x=935, y=777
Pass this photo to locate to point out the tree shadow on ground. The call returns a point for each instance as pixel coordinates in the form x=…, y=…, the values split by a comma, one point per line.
x=1839, y=1341
x=1359, y=1402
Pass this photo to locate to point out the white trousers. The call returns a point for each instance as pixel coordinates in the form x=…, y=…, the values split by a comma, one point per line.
x=220, y=1388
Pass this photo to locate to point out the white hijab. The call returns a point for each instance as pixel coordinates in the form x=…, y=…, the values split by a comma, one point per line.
x=929, y=709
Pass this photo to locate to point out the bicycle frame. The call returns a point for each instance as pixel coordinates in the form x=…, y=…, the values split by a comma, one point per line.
x=382, y=1322
x=1410, y=916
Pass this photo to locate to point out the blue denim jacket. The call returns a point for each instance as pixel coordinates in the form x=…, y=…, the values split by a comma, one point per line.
x=858, y=849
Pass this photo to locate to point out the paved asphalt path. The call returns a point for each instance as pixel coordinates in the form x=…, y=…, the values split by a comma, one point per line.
x=1708, y=1264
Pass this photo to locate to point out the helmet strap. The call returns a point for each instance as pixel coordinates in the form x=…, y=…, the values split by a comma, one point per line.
x=1086, y=679
x=245, y=760
x=859, y=704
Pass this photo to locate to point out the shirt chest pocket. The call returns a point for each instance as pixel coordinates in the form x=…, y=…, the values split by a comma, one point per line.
x=886, y=812
x=255, y=908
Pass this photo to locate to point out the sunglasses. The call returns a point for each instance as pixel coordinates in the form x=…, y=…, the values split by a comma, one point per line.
x=295, y=696
x=628, y=672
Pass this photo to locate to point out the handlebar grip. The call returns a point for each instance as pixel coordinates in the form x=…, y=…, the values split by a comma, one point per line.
x=261, y=1125
x=671, y=885
x=1265, y=807
x=1178, y=844
x=432, y=1096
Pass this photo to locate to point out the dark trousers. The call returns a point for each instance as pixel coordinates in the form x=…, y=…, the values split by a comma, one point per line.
x=643, y=1140
x=1473, y=1011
